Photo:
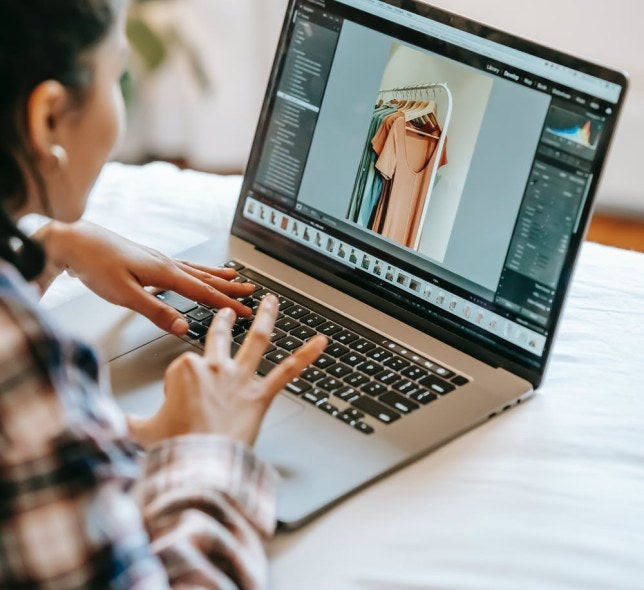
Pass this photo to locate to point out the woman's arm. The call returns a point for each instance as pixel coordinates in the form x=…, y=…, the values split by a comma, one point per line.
x=205, y=503
x=120, y=271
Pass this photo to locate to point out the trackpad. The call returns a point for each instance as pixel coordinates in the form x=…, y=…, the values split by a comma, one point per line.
x=137, y=380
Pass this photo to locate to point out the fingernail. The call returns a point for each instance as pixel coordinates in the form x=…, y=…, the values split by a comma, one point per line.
x=271, y=300
x=179, y=327
x=227, y=313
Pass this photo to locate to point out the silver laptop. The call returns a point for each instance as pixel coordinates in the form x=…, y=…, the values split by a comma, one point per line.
x=418, y=189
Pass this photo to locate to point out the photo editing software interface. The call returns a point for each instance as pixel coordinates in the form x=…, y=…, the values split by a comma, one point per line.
x=447, y=167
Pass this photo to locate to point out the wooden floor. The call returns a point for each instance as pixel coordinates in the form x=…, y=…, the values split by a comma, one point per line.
x=621, y=232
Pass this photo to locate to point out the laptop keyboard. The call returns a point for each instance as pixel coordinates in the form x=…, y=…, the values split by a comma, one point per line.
x=362, y=379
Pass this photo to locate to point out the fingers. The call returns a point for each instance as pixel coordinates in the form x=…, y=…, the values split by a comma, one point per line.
x=221, y=283
x=227, y=274
x=220, y=335
x=140, y=431
x=293, y=366
x=259, y=336
x=160, y=314
x=187, y=285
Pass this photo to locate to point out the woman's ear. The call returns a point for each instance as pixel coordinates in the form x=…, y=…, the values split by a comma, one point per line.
x=47, y=110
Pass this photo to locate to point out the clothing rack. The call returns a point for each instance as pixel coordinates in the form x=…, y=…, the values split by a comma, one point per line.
x=411, y=92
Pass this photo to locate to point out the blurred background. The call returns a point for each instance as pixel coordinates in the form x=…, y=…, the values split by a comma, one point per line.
x=200, y=67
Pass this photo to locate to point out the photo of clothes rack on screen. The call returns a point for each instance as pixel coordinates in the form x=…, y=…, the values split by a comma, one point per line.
x=423, y=150
x=406, y=146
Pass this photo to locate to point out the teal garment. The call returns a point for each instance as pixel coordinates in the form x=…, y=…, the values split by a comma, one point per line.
x=367, y=164
x=373, y=181
x=371, y=199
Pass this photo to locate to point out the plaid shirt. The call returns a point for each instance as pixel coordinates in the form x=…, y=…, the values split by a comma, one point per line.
x=78, y=511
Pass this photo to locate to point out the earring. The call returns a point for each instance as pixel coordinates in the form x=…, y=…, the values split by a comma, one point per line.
x=60, y=153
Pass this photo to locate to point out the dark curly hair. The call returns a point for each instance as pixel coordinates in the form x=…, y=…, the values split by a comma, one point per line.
x=40, y=40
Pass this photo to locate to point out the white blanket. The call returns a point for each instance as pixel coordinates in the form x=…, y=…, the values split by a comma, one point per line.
x=549, y=495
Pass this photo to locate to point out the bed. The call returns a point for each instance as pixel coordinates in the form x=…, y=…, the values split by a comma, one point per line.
x=548, y=495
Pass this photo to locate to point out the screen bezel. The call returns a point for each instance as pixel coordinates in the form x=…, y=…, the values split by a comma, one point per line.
x=446, y=328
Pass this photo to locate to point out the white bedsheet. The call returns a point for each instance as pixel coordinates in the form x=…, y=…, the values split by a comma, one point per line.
x=549, y=495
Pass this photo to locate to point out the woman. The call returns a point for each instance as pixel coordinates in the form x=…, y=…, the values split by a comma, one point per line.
x=69, y=481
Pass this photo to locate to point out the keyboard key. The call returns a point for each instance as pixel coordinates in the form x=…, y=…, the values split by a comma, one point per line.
x=178, y=302
x=459, y=381
x=297, y=386
x=353, y=413
x=296, y=311
x=346, y=418
x=277, y=334
x=376, y=409
x=356, y=379
x=324, y=362
x=347, y=394
x=379, y=355
x=208, y=321
x=345, y=337
x=338, y=371
x=329, y=328
x=312, y=375
x=265, y=367
x=315, y=396
x=312, y=320
x=277, y=356
x=423, y=396
x=369, y=368
x=414, y=373
x=259, y=295
x=443, y=372
x=336, y=350
x=239, y=279
x=387, y=377
x=200, y=314
x=196, y=331
x=364, y=428
x=437, y=385
x=289, y=343
x=287, y=324
x=328, y=408
x=234, y=265
x=374, y=389
x=303, y=333
x=330, y=384
x=398, y=402
x=405, y=386
x=363, y=346
x=285, y=303
x=245, y=323
x=396, y=364
x=352, y=359
x=240, y=337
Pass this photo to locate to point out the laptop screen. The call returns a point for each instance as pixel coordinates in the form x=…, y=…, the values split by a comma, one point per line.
x=447, y=171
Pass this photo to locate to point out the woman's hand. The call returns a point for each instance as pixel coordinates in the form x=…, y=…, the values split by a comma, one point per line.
x=217, y=394
x=119, y=270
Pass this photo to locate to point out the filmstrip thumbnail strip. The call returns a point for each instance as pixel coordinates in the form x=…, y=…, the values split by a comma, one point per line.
x=352, y=257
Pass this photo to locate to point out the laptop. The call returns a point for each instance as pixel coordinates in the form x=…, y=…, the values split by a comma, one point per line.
x=418, y=190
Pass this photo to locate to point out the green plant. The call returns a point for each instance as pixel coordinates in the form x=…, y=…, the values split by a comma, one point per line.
x=153, y=45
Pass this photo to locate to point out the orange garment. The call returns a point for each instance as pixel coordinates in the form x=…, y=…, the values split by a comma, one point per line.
x=378, y=143
x=432, y=127
x=407, y=159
